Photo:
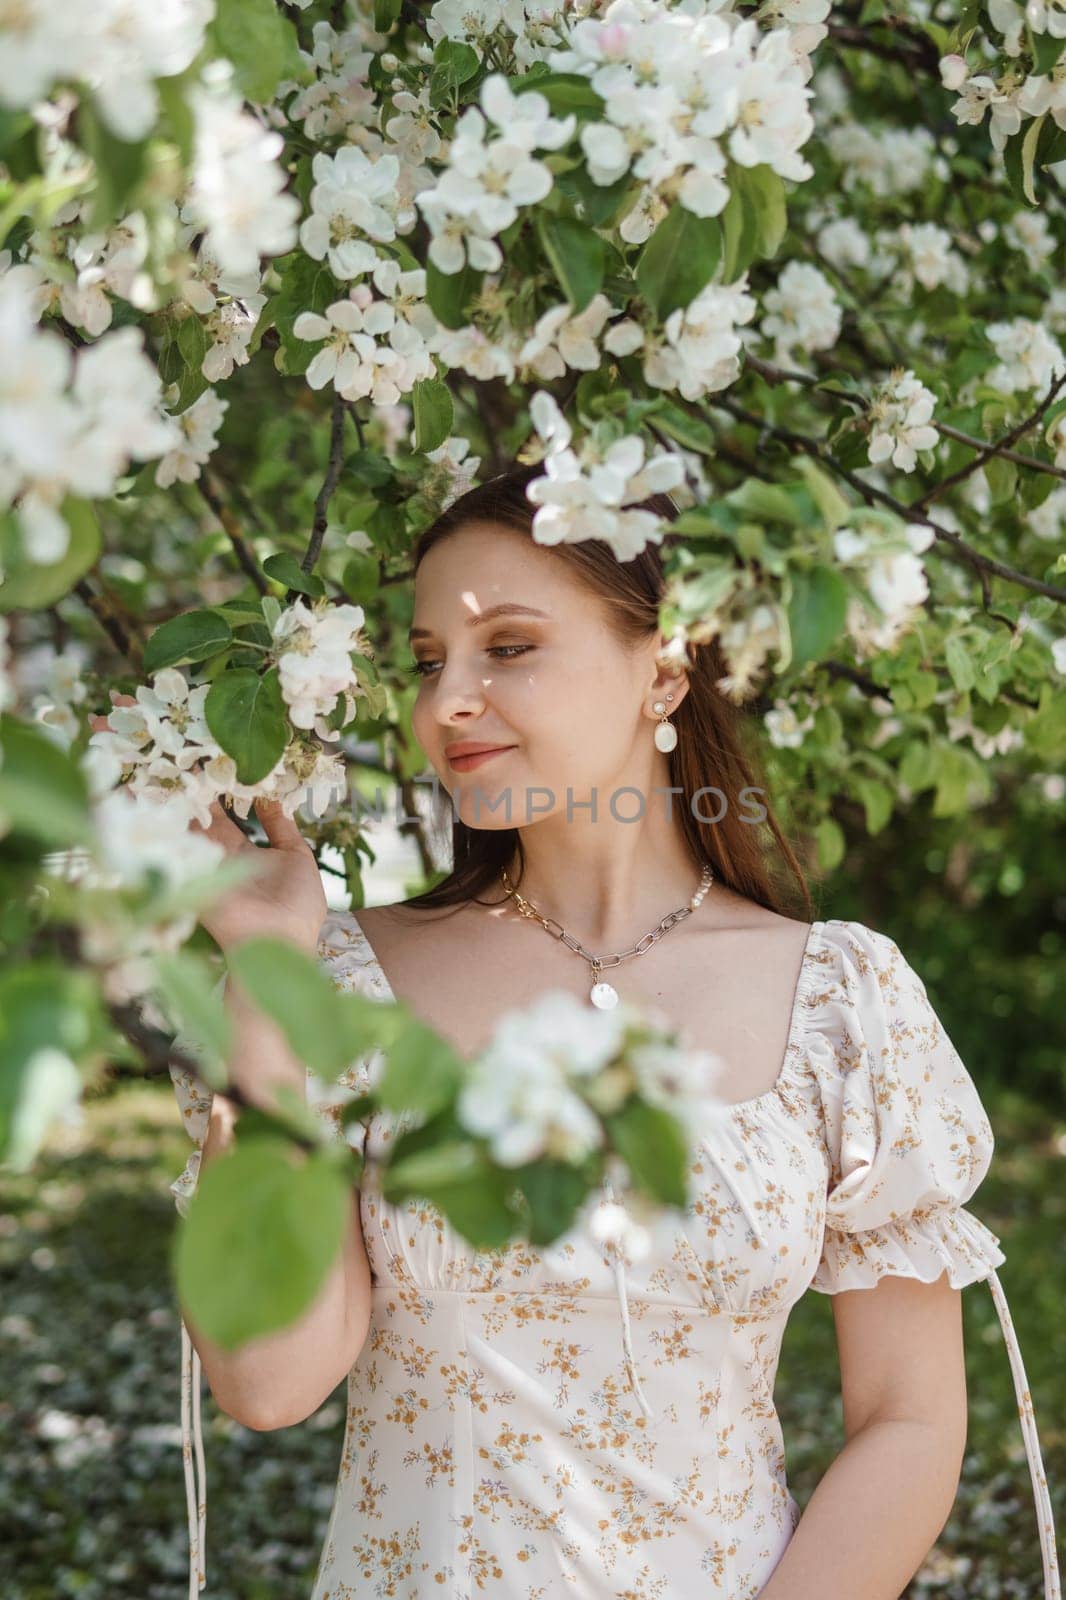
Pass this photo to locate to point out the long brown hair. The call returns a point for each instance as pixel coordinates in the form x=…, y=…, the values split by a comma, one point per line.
x=716, y=739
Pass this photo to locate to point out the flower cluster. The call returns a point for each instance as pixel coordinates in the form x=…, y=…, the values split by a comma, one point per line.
x=594, y=495
x=491, y=172
x=899, y=420
x=237, y=194
x=313, y=648
x=69, y=424
x=683, y=90
x=552, y=1071
x=698, y=348
x=376, y=347
x=117, y=47
x=894, y=578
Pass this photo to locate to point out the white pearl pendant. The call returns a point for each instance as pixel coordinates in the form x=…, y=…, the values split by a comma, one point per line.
x=604, y=996
x=665, y=736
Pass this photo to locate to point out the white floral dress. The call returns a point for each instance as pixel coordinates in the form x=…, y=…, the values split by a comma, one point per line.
x=540, y=1423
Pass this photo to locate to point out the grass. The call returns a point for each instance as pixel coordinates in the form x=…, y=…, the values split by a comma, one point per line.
x=92, y=1498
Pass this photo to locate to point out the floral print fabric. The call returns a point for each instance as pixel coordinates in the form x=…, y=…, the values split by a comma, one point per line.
x=536, y=1423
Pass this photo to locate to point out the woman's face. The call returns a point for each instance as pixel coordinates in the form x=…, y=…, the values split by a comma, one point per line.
x=550, y=682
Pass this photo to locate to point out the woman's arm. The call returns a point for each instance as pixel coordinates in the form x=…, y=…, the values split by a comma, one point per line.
x=879, y=1509
x=281, y=1378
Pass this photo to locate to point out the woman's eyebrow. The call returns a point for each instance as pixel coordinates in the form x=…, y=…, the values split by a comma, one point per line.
x=507, y=608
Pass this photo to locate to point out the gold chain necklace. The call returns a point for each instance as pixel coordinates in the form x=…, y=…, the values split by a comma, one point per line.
x=605, y=995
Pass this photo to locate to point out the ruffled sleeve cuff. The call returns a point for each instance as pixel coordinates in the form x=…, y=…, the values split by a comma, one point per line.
x=924, y=1245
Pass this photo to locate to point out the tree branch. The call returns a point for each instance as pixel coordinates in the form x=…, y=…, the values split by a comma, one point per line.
x=329, y=483
x=871, y=495
x=104, y=611
x=209, y=489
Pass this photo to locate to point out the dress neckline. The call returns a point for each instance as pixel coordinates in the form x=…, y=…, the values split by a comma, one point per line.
x=797, y=1015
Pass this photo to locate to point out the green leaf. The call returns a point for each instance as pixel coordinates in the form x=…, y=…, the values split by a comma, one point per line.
x=576, y=255
x=423, y=1073
x=740, y=234
x=43, y=1006
x=193, y=636
x=830, y=844
x=652, y=1143
x=1029, y=144
x=449, y=293
x=434, y=411
x=678, y=260
x=554, y=1193
x=959, y=663
x=816, y=612
x=252, y=34
x=284, y=568
x=877, y=799
x=43, y=792
x=260, y=1238
x=565, y=92
x=292, y=987
x=191, y=992
x=119, y=164
x=30, y=586
x=765, y=192
x=385, y=14
x=246, y=714
x=453, y=65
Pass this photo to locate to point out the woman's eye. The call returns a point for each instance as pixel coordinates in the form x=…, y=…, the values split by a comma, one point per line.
x=506, y=651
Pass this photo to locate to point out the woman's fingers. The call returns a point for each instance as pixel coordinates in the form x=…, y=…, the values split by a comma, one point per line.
x=223, y=830
x=281, y=830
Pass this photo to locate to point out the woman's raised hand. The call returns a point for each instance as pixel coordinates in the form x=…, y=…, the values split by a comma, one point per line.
x=284, y=898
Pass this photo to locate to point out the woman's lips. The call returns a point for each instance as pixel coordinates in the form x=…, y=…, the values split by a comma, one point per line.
x=467, y=763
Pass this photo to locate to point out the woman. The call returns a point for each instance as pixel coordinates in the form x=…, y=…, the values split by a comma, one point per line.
x=545, y=1423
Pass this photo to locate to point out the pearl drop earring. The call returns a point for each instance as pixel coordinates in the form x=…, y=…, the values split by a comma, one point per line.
x=665, y=732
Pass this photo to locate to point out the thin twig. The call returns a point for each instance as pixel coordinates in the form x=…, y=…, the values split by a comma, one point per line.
x=209, y=489
x=104, y=612
x=329, y=483
x=871, y=494
x=997, y=446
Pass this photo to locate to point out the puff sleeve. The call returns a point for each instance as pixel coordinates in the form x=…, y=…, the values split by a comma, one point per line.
x=907, y=1136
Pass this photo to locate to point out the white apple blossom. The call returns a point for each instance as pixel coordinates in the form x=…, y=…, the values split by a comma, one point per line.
x=1029, y=358
x=887, y=160
x=491, y=173
x=1030, y=232
x=899, y=419
x=339, y=103
x=118, y=48
x=199, y=425
x=524, y=1093
x=804, y=313
x=894, y=578
x=353, y=200
x=785, y=730
x=844, y=243
x=564, y=339
x=594, y=495
x=68, y=425
x=927, y=256
x=375, y=347
x=314, y=647
x=699, y=348
x=1001, y=98
x=237, y=193
x=455, y=472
